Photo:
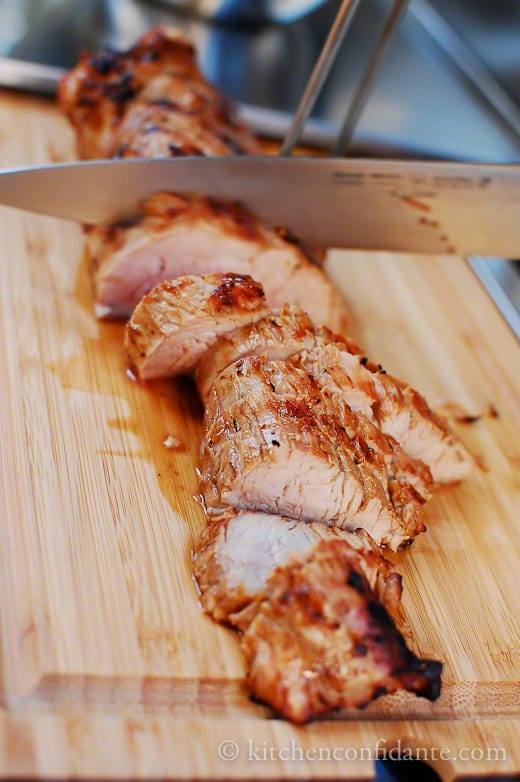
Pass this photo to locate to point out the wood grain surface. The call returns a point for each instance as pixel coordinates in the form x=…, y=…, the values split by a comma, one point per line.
x=109, y=667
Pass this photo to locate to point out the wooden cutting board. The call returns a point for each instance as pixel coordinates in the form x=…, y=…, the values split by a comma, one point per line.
x=109, y=667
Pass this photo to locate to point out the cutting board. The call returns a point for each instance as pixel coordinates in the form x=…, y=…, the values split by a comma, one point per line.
x=109, y=666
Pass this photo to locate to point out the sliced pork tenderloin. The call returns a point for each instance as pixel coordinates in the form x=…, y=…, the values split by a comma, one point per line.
x=178, y=322
x=238, y=553
x=282, y=336
x=408, y=479
x=273, y=443
x=394, y=406
x=117, y=100
x=174, y=237
x=277, y=337
x=343, y=372
x=320, y=640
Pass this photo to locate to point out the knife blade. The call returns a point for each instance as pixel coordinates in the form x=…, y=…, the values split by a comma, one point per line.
x=421, y=207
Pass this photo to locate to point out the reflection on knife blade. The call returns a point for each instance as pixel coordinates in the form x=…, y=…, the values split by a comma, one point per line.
x=327, y=202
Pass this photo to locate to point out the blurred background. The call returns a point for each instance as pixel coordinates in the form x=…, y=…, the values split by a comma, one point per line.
x=449, y=87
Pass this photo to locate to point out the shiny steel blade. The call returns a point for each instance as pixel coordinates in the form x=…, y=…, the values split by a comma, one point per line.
x=452, y=208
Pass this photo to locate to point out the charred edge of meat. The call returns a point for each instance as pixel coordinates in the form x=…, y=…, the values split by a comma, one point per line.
x=232, y=144
x=109, y=76
x=184, y=150
x=122, y=150
x=157, y=42
x=121, y=90
x=216, y=558
x=126, y=222
x=149, y=48
x=420, y=676
x=105, y=73
x=319, y=616
x=165, y=103
x=224, y=110
x=237, y=291
x=104, y=61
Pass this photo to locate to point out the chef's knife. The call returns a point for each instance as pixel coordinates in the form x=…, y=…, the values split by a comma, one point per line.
x=452, y=208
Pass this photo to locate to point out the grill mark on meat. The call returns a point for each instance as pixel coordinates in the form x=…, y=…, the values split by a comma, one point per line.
x=317, y=643
x=409, y=481
x=276, y=401
x=393, y=406
x=188, y=125
x=105, y=61
x=122, y=90
x=356, y=582
x=234, y=146
x=418, y=440
x=121, y=151
x=277, y=337
x=151, y=47
x=123, y=223
x=245, y=223
x=176, y=150
x=151, y=129
x=165, y=103
x=315, y=256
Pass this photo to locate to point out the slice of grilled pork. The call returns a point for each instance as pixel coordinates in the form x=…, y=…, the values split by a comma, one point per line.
x=174, y=237
x=343, y=372
x=273, y=443
x=179, y=321
x=277, y=337
x=320, y=640
x=394, y=406
x=238, y=553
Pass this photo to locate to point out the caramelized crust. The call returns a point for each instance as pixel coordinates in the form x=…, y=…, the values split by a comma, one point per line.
x=320, y=640
x=177, y=322
x=316, y=437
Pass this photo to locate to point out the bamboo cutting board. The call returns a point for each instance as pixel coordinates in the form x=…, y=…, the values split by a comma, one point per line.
x=109, y=667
